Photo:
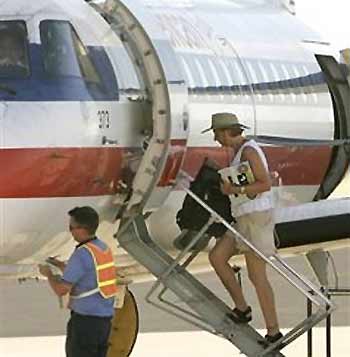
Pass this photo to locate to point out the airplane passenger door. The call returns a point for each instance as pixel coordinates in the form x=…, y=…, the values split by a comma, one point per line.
x=339, y=87
x=164, y=97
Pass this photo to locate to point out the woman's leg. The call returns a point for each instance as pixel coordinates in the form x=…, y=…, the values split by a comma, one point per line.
x=219, y=257
x=257, y=275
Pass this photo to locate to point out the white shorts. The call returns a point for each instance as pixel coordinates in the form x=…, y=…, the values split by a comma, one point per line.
x=258, y=229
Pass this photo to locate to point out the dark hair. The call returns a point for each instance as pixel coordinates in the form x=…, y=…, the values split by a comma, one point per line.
x=86, y=217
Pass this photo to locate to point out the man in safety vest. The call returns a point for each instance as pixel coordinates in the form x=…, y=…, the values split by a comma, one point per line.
x=90, y=279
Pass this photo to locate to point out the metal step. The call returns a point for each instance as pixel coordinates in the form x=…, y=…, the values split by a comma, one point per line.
x=133, y=236
x=307, y=288
x=206, y=310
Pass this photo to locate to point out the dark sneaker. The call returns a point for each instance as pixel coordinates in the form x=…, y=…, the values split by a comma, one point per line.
x=274, y=338
x=269, y=340
x=241, y=317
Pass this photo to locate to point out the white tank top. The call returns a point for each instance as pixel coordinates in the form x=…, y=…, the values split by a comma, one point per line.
x=263, y=201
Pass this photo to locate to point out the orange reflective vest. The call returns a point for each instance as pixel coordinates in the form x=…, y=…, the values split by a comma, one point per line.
x=105, y=270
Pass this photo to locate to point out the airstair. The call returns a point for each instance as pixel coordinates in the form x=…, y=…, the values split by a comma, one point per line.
x=205, y=309
x=198, y=305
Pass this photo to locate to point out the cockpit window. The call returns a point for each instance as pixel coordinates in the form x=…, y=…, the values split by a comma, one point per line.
x=64, y=53
x=58, y=50
x=13, y=50
x=87, y=68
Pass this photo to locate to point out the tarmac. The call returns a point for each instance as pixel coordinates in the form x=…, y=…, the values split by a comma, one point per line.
x=29, y=313
x=179, y=344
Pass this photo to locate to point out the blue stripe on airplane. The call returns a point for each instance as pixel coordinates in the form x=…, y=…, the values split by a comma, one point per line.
x=40, y=88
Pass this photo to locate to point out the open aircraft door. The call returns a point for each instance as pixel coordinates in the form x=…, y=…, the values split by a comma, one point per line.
x=166, y=92
x=158, y=70
x=340, y=91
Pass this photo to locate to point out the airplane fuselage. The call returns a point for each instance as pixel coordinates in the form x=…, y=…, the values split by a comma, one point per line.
x=76, y=118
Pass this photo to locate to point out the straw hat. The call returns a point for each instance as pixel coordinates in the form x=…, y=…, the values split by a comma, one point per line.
x=224, y=121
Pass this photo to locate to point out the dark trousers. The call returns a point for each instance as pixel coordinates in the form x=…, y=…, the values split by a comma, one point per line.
x=87, y=336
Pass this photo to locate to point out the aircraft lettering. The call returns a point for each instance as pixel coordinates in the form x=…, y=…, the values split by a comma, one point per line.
x=103, y=119
x=187, y=33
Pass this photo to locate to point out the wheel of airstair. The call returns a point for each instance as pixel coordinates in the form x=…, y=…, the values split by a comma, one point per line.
x=125, y=327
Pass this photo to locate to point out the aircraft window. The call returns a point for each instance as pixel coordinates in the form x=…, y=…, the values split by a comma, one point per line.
x=87, y=68
x=64, y=54
x=59, y=55
x=13, y=50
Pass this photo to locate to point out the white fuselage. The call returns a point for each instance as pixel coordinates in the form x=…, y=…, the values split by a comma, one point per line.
x=70, y=139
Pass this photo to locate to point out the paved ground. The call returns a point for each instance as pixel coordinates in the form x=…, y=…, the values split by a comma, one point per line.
x=31, y=309
x=178, y=344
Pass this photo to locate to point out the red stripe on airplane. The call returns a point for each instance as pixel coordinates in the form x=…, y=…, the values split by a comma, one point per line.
x=295, y=165
x=59, y=172
x=78, y=172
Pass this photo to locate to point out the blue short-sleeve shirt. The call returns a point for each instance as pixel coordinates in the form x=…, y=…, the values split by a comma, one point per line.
x=81, y=273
